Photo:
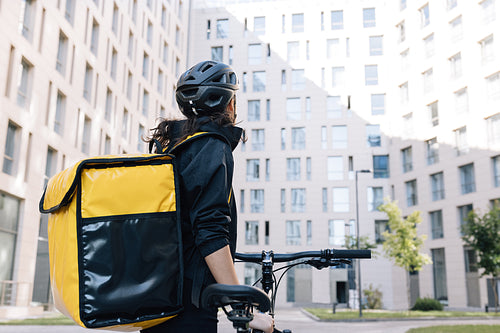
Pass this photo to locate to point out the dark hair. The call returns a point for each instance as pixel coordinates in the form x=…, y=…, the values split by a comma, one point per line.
x=164, y=134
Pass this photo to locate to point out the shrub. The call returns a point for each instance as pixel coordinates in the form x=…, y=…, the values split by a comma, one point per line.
x=427, y=304
x=373, y=298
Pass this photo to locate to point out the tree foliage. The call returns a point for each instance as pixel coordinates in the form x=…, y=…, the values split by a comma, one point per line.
x=402, y=243
x=351, y=243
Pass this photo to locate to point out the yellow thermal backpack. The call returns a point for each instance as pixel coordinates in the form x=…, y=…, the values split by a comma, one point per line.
x=115, y=244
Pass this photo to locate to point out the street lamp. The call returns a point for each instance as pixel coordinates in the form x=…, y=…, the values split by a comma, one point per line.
x=357, y=239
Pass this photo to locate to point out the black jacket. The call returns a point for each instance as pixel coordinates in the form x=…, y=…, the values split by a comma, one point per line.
x=208, y=209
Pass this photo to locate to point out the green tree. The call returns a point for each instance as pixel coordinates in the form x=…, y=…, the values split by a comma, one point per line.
x=364, y=244
x=402, y=244
x=482, y=233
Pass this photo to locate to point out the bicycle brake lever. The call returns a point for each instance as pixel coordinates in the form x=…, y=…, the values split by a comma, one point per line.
x=323, y=263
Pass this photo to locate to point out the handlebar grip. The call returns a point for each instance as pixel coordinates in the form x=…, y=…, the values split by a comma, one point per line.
x=354, y=254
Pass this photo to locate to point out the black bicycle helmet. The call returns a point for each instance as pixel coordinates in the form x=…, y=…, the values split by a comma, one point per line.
x=206, y=88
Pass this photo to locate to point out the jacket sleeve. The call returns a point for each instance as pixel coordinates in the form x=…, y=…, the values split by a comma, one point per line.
x=207, y=180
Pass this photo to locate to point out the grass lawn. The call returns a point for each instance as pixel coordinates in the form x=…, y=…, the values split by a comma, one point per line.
x=53, y=320
x=457, y=329
x=326, y=314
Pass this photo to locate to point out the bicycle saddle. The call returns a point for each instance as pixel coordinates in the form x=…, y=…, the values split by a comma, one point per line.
x=220, y=295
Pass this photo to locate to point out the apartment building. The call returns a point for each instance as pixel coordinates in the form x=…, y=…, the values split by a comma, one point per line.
x=407, y=90
x=78, y=79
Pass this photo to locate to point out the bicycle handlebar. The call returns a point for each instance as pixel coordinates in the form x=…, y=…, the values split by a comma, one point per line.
x=326, y=254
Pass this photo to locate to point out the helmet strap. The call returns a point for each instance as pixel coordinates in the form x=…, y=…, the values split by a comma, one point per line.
x=193, y=108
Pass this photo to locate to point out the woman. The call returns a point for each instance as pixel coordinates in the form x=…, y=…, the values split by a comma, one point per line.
x=206, y=96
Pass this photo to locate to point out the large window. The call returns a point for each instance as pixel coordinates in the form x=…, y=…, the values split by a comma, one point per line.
x=369, y=17
x=293, y=168
x=439, y=275
x=293, y=232
x=25, y=84
x=62, y=52
x=86, y=138
x=335, y=168
x=376, y=45
x=298, y=79
x=339, y=137
x=437, y=186
x=428, y=76
x=258, y=140
x=496, y=170
x=433, y=111
x=380, y=227
x=293, y=108
x=254, y=110
x=373, y=138
x=455, y=66
x=337, y=20
x=9, y=221
x=407, y=159
x=222, y=28
x=217, y=53
x=298, y=138
x=467, y=178
x=11, y=153
x=340, y=196
x=493, y=86
x=298, y=200
x=28, y=19
x=333, y=50
x=257, y=201
x=254, y=54
x=87, y=86
x=456, y=29
x=251, y=232
x=487, y=50
x=461, y=144
x=381, y=166
x=298, y=22
x=463, y=213
x=411, y=193
x=432, y=151
x=429, y=46
x=378, y=104
x=336, y=232
x=259, y=25
x=371, y=75
x=436, y=224
x=293, y=51
x=253, y=170
x=375, y=197
x=60, y=114
x=424, y=16
x=259, y=81
x=333, y=107
x=338, y=77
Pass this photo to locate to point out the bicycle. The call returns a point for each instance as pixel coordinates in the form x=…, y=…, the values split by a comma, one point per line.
x=243, y=299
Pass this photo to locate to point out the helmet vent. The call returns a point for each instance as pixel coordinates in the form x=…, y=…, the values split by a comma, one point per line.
x=206, y=67
x=190, y=92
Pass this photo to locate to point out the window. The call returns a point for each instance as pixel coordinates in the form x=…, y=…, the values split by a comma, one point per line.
x=339, y=137
x=297, y=22
x=268, y=169
x=439, y=275
x=337, y=20
x=114, y=63
x=254, y=110
x=254, y=54
x=12, y=145
x=60, y=114
x=308, y=168
x=140, y=133
x=145, y=102
x=259, y=25
x=149, y=33
x=108, y=108
x=461, y=145
x=493, y=125
x=114, y=23
x=371, y=75
x=381, y=226
x=373, y=138
x=432, y=151
x=222, y=28
x=217, y=53
x=25, y=84
x=406, y=159
x=268, y=109
x=258, y=139
x=411, y=193
x=456, y=29
x=293, y=232
x=28, y=19
x=404, y=93
x=487, y=11
x=283, y=200
x=177, y=36
x=125, y=124
x=467, y=178
x=368, y=17
x=456, y=66
x=402, y=4
x=493, y=86
x=242, y=201
x=293, y=108
x=283, y=139
x=298, y=200
x=401, y=32
x=283, y=80
x=309, y=232
x=408, y=128
x=470, y=260
x=437, y=186
x=381, y=166
x=231, y=54
x=87, y=87
x=244, y=81
x=298, y=138
x=324, y=143
x=436, y=224
x=487, y=50
x=463, y=213
x=62, y=53
x=308, y=108
x=257, y=201
x=107, y=145
x=340, y=196
x=428, y=80
x=338, y=77
x=424, y=16
x=322, y=21
x=375, y=198
x=145, y=66
x=496, y=170
x=293, y=168
x=87, y=129
x=376, y=45
x=336, y=232
x=259, y=81
x=164, y=17
x=253, y=170
x=450, y=4
x=378, y=104
x=251, y=232
x=333, y=107
x=335, y=168
x=159, y=86
x=461, y=101
x=324, y=199
x=432, y=110
x=333, y=50
x=130, y=47
x=298, y=79
x=9, y=215
x=429, y=48
x=130, y=82
x=134, y=11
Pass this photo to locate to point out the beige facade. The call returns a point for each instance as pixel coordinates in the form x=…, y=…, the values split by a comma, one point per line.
x=78, y=79
x=339, y=86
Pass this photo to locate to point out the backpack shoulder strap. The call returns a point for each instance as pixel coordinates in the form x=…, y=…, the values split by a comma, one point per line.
x=192, y=138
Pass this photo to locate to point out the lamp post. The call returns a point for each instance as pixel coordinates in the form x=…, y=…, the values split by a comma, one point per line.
x=357, y=239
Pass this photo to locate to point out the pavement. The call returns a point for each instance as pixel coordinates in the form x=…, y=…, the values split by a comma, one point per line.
x=298, y=322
